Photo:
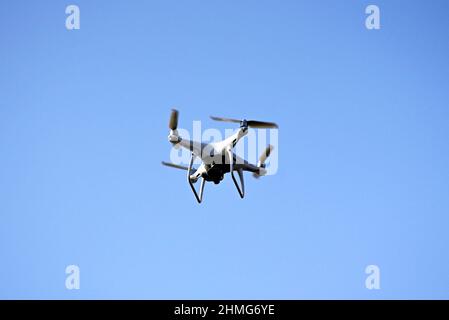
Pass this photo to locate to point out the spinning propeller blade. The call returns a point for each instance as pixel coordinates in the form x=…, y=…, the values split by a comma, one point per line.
x=261, y=124
x=250, y=123
x=224, y=119
x=177, y=166
x=173, y=124
x=263, y=157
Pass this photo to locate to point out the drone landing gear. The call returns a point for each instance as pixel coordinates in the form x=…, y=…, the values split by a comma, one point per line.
x=239, y=171
x=203, y=182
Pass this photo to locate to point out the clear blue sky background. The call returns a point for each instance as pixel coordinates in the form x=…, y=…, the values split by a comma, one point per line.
x=363, y=149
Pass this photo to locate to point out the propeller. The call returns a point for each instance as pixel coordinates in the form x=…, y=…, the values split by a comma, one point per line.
x=173, y=123
x=177, y=166
x=249, y=123
x=224, y=119
x=263, y=157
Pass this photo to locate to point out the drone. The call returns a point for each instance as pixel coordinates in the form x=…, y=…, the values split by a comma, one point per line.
x=218, y=158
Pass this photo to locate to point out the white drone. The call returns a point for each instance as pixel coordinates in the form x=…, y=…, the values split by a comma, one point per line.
x=218, y=157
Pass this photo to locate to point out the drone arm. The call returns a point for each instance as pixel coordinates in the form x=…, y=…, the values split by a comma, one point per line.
x=240, y=172
x=203, y=182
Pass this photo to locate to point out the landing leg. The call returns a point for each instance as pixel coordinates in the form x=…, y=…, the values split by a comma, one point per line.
x=203, y=182
x=240, y=172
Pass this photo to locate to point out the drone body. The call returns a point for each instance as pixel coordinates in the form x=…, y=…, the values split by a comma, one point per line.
x=218, y=157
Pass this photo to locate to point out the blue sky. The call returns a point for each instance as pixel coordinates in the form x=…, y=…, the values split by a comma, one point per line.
x=363, y=149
